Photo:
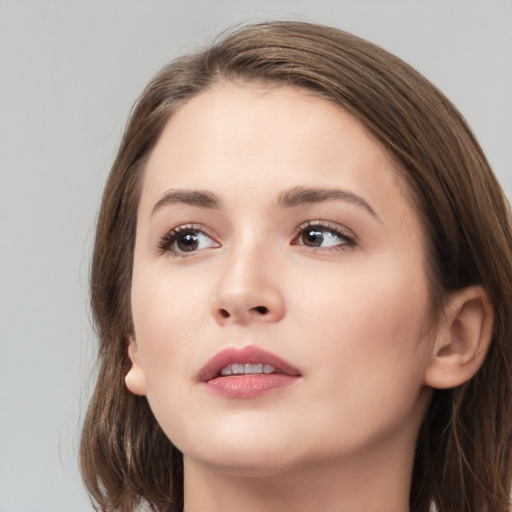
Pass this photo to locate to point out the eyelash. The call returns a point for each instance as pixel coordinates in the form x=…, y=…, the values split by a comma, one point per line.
x=165, y=244
x=346, y=236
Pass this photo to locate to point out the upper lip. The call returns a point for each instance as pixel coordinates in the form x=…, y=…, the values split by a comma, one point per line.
x=249, y=354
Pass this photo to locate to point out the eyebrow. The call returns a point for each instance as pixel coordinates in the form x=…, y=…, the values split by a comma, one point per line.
x=294, y=197
x=299, y=196
x=191, y=197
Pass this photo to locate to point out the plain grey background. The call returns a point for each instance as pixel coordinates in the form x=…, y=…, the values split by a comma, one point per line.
x=69, y=73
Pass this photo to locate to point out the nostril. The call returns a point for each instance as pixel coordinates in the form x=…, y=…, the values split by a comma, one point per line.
x=224, y=313
x=262, y=310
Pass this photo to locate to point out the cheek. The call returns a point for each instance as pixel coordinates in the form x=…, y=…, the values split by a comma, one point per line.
x=368, y=340
x=167, y=313
x=373, y=325
x=165, y=331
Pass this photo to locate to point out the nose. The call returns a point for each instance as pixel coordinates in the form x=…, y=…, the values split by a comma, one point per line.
x=248, y=290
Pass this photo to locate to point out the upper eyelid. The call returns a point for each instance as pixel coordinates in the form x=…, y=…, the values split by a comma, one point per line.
x=329, y=225
x=189, y=226
x=334, y=226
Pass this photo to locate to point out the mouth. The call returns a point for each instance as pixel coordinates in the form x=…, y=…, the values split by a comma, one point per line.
x=249, y=360
x=246, y=372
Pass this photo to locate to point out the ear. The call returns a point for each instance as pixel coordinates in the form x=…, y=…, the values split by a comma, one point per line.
x=462, y=339
x=135, y=379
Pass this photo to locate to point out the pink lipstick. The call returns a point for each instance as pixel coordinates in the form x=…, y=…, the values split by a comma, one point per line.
x=246, y=372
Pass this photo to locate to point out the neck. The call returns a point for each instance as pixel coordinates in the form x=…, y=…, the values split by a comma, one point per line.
x=378, y=482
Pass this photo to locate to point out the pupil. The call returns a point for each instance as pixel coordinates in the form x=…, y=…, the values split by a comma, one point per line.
x=313, y=238
x=188, y=242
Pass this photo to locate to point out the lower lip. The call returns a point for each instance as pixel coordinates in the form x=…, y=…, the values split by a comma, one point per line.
x=249, y=386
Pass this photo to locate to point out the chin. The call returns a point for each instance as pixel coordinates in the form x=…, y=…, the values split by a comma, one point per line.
x=249, y=463
x=247, y=452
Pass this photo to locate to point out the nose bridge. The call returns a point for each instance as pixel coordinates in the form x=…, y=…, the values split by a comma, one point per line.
x=248, y=287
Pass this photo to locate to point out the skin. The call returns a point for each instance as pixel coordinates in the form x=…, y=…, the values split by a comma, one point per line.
x=351, y=314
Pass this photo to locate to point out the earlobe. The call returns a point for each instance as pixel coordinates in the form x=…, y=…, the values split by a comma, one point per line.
x=462, y=339
x=135, y=379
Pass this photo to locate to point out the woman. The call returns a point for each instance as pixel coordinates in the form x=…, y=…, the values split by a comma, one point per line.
x=302, y=289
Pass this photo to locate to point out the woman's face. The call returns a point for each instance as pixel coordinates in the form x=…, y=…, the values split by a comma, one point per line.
x=279, y=295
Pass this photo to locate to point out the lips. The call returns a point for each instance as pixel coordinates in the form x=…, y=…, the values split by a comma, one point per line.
x=246, y=372
x=250, y=355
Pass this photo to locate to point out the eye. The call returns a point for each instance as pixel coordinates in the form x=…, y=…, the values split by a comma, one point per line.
x=185, y=240
x=323, y=236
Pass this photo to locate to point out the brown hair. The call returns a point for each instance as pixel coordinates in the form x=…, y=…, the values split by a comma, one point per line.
x=463, y=460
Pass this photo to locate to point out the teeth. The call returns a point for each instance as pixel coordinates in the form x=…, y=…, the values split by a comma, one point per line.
x=237, y=369
x=253, y=368
x=241, y=369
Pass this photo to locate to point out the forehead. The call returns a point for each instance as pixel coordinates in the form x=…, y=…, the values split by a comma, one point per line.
x=266, y=138
x=251, y=118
